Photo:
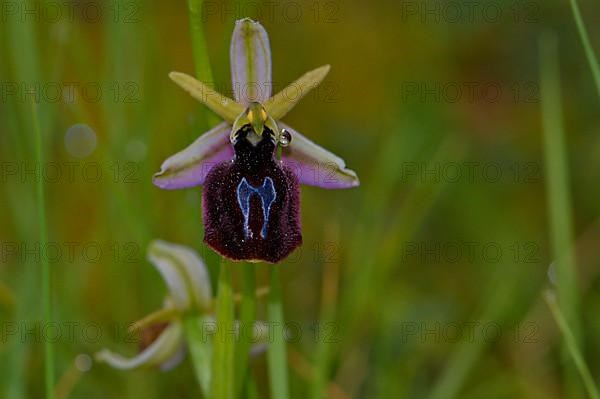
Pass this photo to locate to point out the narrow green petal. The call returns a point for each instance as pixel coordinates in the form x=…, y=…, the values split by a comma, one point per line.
x=223, y=106
x=281, y=103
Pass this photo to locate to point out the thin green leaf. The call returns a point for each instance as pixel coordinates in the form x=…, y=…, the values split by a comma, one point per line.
x=557, y=191
x=200, y=347
x=571, y=344
x=200, y=51
x=587, y=46
x=46, y=280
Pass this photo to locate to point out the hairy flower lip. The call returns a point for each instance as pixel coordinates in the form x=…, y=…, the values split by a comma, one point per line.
x=251, y=205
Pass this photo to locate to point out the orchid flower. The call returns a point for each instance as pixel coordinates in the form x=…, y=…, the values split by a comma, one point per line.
x=251, y=198
x=163, y=343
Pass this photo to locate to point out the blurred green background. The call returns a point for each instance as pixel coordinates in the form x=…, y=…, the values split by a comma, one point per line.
x=425, y=281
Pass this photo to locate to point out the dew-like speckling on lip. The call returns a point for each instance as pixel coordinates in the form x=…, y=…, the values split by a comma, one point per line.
x=80, y=140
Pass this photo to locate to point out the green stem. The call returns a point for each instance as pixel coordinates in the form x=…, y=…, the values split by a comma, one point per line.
x=572, y=347
x=276, y=355
x=221, y=380
x=589, y=51
x=557, y=177
x=200, y=347
x=46, y=289
x=557, y=193
x=247, y=318
x=223, y=355
x=200, y=52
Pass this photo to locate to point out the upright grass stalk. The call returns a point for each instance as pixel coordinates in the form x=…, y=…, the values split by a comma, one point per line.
x=43, y=233
x=227, y=380
x=200, y=348
x=329, y=294
x=557, y=189
x=585, y=40
x=459, y=366
x=571, y=344
x=247, y=318
x=200, y=52
x=20, y=63
x=276, y=354
x=223, y=354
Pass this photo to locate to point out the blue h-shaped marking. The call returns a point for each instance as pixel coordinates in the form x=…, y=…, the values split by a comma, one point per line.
x=267, y=195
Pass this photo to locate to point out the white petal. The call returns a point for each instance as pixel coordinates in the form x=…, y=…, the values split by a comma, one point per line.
x=175, y=359
x=162, y=349
x=184, y=273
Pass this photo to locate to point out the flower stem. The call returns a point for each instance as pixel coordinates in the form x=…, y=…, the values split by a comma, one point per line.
x=223, y=354
x=46, y=289
x=200, y=52
x=247, y=318
x=200, y=348
x=276, y=355
x=558, y=197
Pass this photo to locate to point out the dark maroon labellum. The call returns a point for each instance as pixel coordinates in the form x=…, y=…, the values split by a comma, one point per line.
x=251, y=204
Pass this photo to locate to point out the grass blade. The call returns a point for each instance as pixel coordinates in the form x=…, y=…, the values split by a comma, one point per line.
x=223, y=355
x=557, y=188
x=276, y=354
x=200, y=52
x=571, y=344
x=200, y=347
x=46, y=281
x=329, y=297
x=587, y=46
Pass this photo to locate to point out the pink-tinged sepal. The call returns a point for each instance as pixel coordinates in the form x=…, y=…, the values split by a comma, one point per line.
x=250, y=57
x=189, y=167
x=316, y=166
x=251, y=204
